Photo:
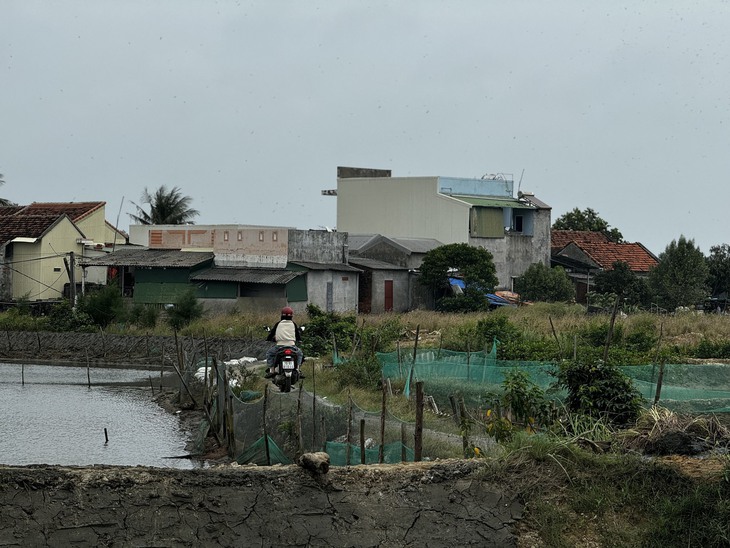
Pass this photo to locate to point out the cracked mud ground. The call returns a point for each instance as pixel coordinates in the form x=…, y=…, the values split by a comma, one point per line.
x=442, y=503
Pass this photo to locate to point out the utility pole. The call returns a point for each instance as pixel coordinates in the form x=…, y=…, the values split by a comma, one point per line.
x=72, y=278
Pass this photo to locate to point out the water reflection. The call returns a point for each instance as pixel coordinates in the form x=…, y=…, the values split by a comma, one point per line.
x=55, y=418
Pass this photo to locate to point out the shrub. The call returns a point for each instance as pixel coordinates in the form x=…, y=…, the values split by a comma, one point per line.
x=144, y=316
x=599, y=390
x=104, y=305
x=185, y=310
x=64, y=318
x=325, y=329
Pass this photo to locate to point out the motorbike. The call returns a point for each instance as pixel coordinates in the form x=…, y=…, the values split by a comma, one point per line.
x=285, y=365
x=285, y=362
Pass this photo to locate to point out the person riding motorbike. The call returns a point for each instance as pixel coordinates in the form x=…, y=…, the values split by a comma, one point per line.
x=284, y=333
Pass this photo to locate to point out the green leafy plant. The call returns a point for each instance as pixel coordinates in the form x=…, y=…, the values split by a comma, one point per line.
x=599, y=390
x=185, y=310
x=104, y=305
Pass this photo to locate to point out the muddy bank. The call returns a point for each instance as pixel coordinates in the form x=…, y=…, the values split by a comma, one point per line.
x=128, y=350
x=426, y=504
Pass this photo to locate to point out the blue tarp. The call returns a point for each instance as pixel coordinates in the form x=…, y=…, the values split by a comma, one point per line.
x=494, y=300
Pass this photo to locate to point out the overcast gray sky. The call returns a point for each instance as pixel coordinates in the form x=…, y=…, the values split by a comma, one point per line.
x=249, y=107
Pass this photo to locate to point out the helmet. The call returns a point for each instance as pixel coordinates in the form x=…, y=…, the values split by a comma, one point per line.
x=287, y=313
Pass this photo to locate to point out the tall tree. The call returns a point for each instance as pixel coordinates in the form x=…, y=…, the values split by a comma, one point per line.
x=620, y=280
x=681, y=275
x=4, y=201
x=167, y=207
x=718, y=265
x=587, y=220
x=473, y=264
x=542, y=283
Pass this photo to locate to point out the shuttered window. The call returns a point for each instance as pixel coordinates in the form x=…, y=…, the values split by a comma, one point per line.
x=486, y=222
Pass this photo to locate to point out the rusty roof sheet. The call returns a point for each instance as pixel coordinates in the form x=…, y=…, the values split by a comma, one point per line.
x=374, y=264
x=152, y=258
x=635, y=255
x=340, y=267
x=560, y=238
x=275, y=276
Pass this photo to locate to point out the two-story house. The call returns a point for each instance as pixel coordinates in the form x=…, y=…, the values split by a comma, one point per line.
x=480, y=212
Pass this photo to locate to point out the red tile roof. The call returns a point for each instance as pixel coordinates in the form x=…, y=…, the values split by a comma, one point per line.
x=560, y=238
x=75, y=210
x=605, y=254
x=25, y=226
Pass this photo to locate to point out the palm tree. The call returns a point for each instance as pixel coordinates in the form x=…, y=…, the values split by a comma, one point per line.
x=4, y=201
x=166, y=208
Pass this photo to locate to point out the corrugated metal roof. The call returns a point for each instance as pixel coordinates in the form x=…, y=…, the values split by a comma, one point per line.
x=275, y=276
x=494, y=202
x=340, y=267
x=374, y=264
x=162, y=258
x=417, y=245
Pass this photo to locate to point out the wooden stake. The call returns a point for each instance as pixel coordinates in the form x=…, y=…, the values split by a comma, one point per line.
x=362, y=441
x=381, y=449
x=418, y=436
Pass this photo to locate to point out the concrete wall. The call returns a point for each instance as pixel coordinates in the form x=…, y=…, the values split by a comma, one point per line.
x=344, y=290
x=401, y=290
x=44, y=279
x=407, y=207
x=514, y=253
x=318, y=246
x=94, y=226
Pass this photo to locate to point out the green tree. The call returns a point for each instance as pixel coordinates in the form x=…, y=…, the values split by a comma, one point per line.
x=167, y=207
x=184, y=310
x=104, y=305
x=718, y=266
x=680, y=277
x=542, y=283
x=473, y=264
x=599, y=390
x=587, y=220
x=621, y=281
x=4, y=201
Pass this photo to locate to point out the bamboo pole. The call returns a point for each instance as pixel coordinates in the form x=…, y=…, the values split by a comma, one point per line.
x=266, y=434
x=609, y=336
x=381, y=449
x=348, y=436
x=362, y=441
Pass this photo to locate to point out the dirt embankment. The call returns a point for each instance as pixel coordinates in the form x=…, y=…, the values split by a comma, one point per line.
x=444, y=503
x=134, y=350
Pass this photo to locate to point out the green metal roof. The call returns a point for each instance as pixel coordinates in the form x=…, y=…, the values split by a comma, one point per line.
x=494, y=202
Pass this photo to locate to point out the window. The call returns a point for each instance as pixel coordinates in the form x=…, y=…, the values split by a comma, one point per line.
x=275, y=236
x=225, y=235
x=518, y=223
x=261, y=235
x=240, y=235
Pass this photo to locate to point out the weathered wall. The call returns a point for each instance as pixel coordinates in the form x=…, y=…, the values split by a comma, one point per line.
x=318, y=246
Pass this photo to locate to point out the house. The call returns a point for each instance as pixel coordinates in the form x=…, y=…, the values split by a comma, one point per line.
x=583, y=254
x=389, y=281
x=42, y=242
x=480, y=212
x=258, y=268
x=152, y=276
x=383, y=287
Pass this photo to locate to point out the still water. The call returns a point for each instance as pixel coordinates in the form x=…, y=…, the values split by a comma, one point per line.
x=56, y=418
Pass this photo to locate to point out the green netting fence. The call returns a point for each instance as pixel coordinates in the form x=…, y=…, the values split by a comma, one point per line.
x=689, y=388
x=298, y=422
